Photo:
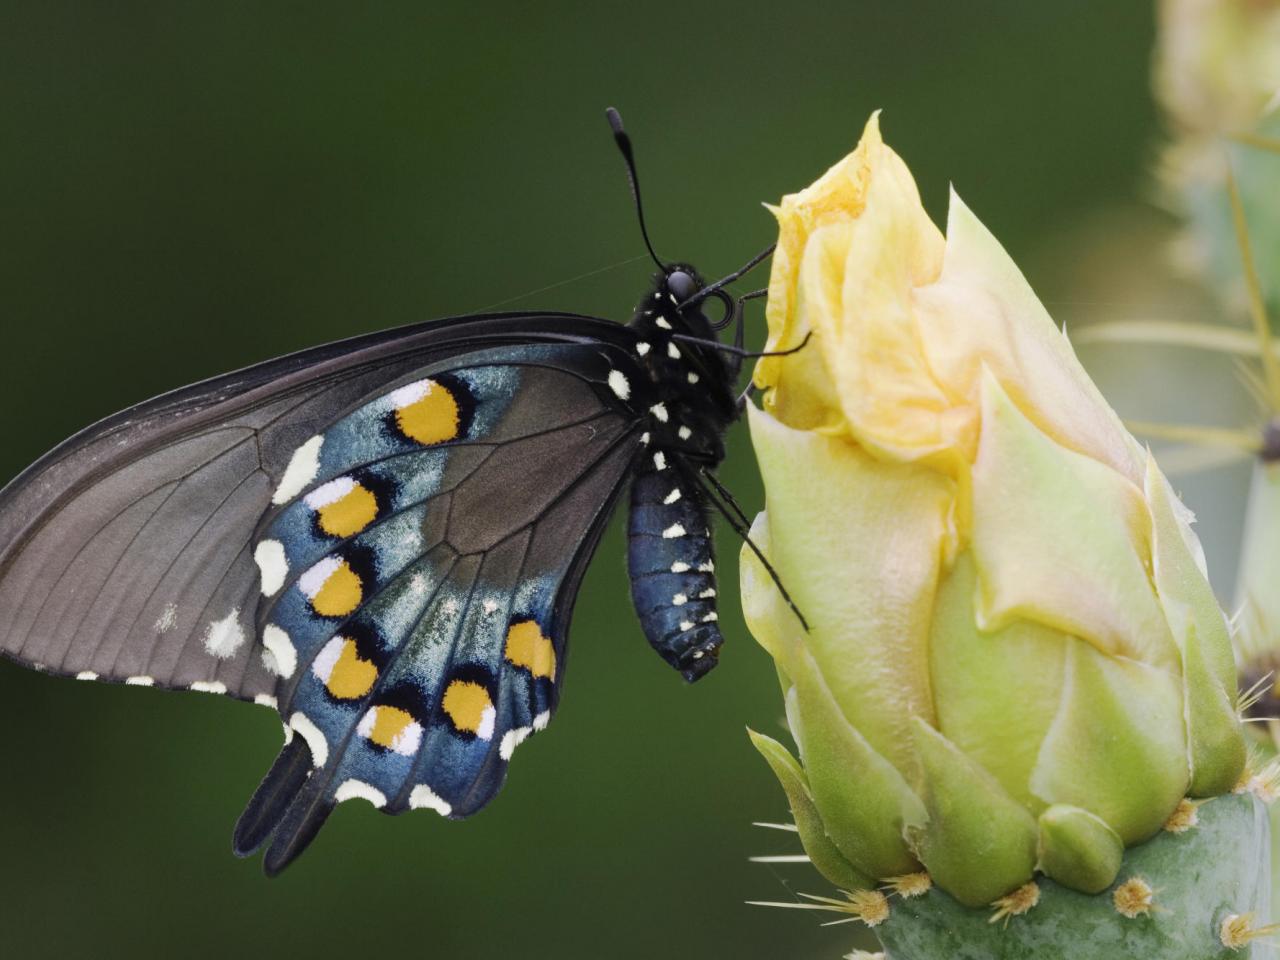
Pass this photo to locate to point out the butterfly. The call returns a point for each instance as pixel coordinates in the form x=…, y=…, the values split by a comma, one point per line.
x=383, y=538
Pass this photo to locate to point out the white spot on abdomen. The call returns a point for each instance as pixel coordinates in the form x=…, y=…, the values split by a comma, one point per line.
x=224, y=637
x=302, y=469
x=269, y=556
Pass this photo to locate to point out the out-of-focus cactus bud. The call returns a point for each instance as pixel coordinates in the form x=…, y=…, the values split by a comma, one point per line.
x=1014, y=662
x=1217, y=77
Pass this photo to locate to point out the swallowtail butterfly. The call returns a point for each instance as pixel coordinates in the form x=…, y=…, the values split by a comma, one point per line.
x=383, y=538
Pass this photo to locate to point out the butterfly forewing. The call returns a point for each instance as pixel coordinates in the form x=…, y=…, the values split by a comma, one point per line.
x=126, y=554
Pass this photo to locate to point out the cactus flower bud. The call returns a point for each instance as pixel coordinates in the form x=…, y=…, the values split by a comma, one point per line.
x=1015, y=666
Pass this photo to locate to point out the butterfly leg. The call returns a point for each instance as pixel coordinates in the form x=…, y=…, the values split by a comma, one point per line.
x=714, y=490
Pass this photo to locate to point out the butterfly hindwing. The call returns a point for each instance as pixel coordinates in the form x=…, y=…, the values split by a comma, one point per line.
x=419, y=572
x=127, y=553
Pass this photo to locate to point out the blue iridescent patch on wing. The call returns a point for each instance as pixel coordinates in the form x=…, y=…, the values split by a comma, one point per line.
x=412, y=574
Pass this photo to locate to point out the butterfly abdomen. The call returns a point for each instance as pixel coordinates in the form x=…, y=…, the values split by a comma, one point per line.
x=672, y=566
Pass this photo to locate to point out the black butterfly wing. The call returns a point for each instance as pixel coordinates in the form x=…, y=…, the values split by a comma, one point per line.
x=126, y=553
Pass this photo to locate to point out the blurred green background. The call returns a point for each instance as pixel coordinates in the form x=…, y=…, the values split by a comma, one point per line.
x=188, y=188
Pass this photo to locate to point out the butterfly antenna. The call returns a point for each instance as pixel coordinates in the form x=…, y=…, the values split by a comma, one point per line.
x=624, y=144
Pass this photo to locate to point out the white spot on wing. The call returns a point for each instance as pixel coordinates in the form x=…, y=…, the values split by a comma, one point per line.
x=659, y=410
x=673, y=496
x=265, y=700
x=512, y=739
x=328, y=493
x=209, y=686
x=86, y=675
x=359, y=790
x=322, y=666
x=490, y=606
x=679, y=600
x=706, y=567
x=309, y=732
x=278, y=654
x=686, y=625
x=141, y=681
x=269, y=556
x=642, y=348
x=410, y=393
x=659, y=461
x=662, y=322
x=423, y=797
x=693, y=377
x=488, y=717
x=685, y=433
x=315, y=577
x=710, y=617
x=644, y=438
x=168, y=617
x=679, y=567
x=619, y=385
x=302, y=469
x=673, y=531
x=541, y=720
x=224, y=637
x=707, y=594
x=673, y=351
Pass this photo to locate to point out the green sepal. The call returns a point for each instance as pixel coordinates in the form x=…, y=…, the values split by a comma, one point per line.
x=1215, y=739
x=822, y=852
x=1117, y=746
x=978, y=843
x=864, y=802
x=1078, y=849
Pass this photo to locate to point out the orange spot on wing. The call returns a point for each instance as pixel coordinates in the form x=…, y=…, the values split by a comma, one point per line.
x=388, y=725
x=469, y=707
x=340, y=594
x=529, y=649
x=351, y=677
x=432, y=418
x=349, y=514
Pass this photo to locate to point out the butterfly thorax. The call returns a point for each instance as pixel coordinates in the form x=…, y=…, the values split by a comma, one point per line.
x=693, y=383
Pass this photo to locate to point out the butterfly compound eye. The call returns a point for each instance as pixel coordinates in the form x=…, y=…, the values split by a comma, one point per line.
x=681, y=285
